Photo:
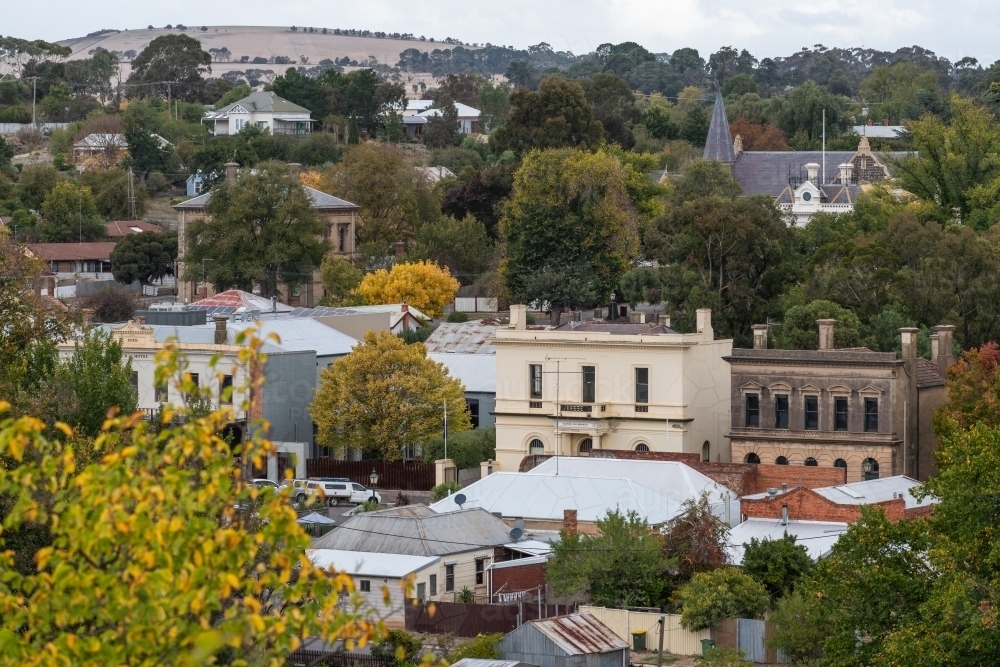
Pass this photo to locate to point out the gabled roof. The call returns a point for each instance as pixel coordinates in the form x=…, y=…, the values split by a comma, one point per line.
x=242, y=301
x=579, y=634
x=129, y=227
x=320, y=200
x=719, y=144
x=55, y=252
x=363, y=563
x=876, y=491
x=464, y=111
x=259, y=102
x=417, y=531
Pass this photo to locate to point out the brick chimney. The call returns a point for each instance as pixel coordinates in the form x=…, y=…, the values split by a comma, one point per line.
x=826, y=334
x=399, y=249
x=759, y=336
x=569, y=522
x=909, y=337
x=231, y=168
x=221, y=330
x=637, y=317
x=945, y=347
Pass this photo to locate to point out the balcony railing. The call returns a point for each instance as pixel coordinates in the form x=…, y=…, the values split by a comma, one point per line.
x=810, y=435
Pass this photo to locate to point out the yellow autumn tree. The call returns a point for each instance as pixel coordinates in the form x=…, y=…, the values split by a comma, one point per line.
x=384, y=395
x=423, y=285
x=159, y=552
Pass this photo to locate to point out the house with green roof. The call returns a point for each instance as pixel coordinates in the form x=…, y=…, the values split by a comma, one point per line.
x=264, y=109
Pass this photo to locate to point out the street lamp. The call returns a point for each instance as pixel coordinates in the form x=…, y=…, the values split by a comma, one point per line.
x=373, y=478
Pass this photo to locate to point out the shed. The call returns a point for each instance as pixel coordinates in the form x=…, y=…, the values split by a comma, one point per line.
x=480, y=662
x=578, y=640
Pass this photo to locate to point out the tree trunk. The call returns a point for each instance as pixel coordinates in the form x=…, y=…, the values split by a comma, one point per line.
x=556, y=315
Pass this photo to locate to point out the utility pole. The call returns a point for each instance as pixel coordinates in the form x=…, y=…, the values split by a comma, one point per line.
x=824, y=148
x=34, y=89
x=558, y=434
x=131, y=193
x=446, y=428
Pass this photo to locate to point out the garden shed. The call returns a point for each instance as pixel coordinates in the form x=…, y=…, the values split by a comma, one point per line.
x=577, y=640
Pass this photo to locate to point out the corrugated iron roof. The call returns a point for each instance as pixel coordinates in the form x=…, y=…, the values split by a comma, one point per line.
x=579, y=634
x=318, y=199
x=476, y=372
x=465, y=337
x=818, y=537
x=241, y=300
x=479, y=662
x=876, y=491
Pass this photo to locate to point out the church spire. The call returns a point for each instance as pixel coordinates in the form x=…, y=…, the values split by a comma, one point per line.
x=719, y=145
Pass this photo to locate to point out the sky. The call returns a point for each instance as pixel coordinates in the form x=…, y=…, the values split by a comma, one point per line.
x=766, y=28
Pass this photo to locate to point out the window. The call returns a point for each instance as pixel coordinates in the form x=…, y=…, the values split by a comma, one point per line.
x=239, y=124
x=642, y=447
x=473, y=405
x=262, y=124
x=365, y=586
x=227, y=383
x=811, y=462
x=589, y=384
x=642, y=385
x=812, y=413
x=358, y=487
x=781, y=461
x=161, y=394
x=871, y=414
x=480, y=570
x=536, y=448
x=342, y=238
x=840, y=413
x=434, y=584
x=753, y=410
x=706, y=451
x=751, y=458
x=535, y=373
x=194, y=379
x=449, y=578
x=840, y=463
x=585, y=446
x=135, y=382
x=870, y=469
x=781, y=411
x=421, y=587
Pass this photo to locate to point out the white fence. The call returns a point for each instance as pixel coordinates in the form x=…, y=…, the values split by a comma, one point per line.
x=14, y=128
x=475, y=304
x=676, y=639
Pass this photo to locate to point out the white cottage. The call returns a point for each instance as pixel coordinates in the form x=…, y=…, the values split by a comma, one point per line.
x=265, y=110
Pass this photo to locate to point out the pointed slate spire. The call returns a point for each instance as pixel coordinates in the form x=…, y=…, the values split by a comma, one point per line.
x=719, y=145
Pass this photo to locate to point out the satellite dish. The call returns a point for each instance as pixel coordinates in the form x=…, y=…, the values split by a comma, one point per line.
x=460, y=499
x=516, y=534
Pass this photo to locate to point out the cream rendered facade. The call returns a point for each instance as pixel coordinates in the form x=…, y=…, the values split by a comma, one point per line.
x=687, y=391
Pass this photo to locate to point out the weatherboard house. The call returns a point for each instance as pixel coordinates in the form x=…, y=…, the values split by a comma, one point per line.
x=801, y=183
x=263, y=109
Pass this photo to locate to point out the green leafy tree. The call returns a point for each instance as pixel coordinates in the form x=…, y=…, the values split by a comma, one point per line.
x=262, y=231
x=110, y=305
x=482, y=647
x=695, y=541
x=659, y=122
x=317, y=150
x=482, y=196
x=557, y=116
x=493, y=105
x=464, y=246
x=35, y=183
x=442, y=130
x=614, y=107
x=570, y=229
x=341, y=278
x=777, y=564
x=233, y=95
x=70, y=214
x=143, y=119
x=399, y=647
x=622, y=566
x=723, y=593
x=384, y=395
x=177, y=61
x=800, y=626
x=694, y=127
x=100, y=377
x=799, y=330
x=800, y=114
x=144, y=257
x=6, y=153
x=111, y=194
x=467, y=449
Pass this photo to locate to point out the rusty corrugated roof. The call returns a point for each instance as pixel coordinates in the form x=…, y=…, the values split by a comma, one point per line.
x=580, y=634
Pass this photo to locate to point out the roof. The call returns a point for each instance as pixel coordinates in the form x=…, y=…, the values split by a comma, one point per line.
x=818, y=537
x=259, y=102
x=366, y=563
x=464, y=111
x=435, y=174
x=416, y=530
x=880, y=131
x=533, y=547
x=545, y=497
x=476, y=372
x=474, y=337
x=299, y=335
x=928, y=374
x=876, y=491
x=54, y=252
x=672, y=479
x=320, y=200
x=414, y=120
x=620, y=328
x=719, y=144
x=852, y=355
x=419, y=105
x=579, y=634
x=130, y=227
x=241, y=301
x=768, y=172
x=98, y=140
x=479, y=662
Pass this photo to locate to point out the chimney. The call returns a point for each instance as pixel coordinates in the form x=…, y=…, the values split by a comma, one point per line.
x=934, y=347
x=845, y=173
x=294, y=168
x=812, y=171
x=404, y=307
x=946, y=347
x=759, y=336
x=636, y=317
x=784, y=487
x=870, y=122
x=665, y=320
x=703, y=319
x=231, y=168
x=569, y=522
x=399, y=249
x=909, y=336
x=518, y=316
x=140, y=320
x=885, y=122
x=826, y=334
x=784, y=514
x=221, y=331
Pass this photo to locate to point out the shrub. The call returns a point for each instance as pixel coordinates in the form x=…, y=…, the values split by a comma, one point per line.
x=724, y=593
x=442, y=491
x=419, y=335
x=466, y=596
x=110, y=305
x=458, y=316
x=482, y=647
x=399, y=647
x=467, y=449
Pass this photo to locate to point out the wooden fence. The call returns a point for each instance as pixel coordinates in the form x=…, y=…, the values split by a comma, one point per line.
x=471, y=620
x=403, y=475
x=307, y=658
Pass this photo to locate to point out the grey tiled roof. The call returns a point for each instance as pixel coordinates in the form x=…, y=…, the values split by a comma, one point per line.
x=768, y=172
x=261, y=101
x=928, y=375
x=719, y=144
x=319, y=200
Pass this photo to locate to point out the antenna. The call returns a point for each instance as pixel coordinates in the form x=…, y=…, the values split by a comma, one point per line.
x=460, y=499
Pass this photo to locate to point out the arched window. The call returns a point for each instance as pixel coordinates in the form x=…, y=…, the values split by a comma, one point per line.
x=706, y=451
x=585, y=446
x=781, y=461
x=870, y=469
x=840, y=463
x=642, y=447
x=751, y=458
x=811, y=462
x=536, y=447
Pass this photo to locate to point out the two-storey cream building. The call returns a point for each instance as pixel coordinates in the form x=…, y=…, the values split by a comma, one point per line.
x=603, y=385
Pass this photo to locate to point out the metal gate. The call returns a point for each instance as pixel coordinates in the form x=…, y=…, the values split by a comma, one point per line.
x=750, y=639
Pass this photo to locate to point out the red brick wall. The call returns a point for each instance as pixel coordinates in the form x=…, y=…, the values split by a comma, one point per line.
x=771, y=476
x=519, y=578
x=806, y=505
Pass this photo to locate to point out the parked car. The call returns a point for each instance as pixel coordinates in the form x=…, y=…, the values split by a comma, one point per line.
x=361, y=495
x=264, y=483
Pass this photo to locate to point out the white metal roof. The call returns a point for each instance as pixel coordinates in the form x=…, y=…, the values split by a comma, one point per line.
x=544, y=497
x=371, y=564
x=301, y=334
x=477, y=372
x=876, y=491
x=464, y=111
x=533, y=547
x=818, y=537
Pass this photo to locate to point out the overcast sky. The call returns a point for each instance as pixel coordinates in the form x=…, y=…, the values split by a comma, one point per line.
x=767, y=27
